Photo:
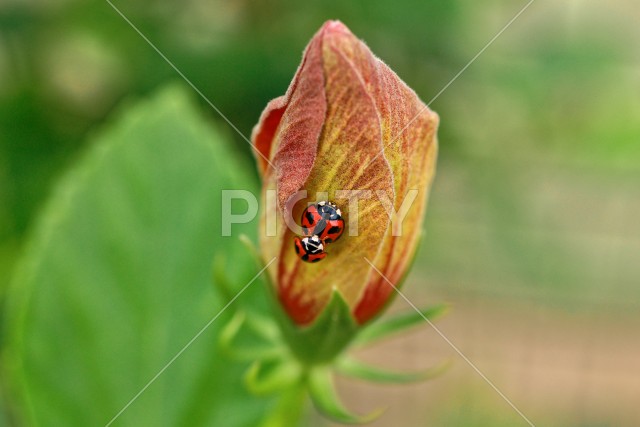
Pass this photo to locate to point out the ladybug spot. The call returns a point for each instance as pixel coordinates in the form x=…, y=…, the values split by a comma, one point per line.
x=334, y=229
x=309, y=216
x=316, y=260
x=297, y=249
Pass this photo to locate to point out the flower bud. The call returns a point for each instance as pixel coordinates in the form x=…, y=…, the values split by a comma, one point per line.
x=347, y=126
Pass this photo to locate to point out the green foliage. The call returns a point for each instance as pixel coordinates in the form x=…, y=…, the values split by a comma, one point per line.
x=116, y=280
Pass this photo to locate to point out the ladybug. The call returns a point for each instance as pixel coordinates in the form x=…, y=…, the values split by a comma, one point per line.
x=309, y=249
x=323, y=219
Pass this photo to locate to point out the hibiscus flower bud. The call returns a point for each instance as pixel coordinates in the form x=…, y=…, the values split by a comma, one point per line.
x=347, y=126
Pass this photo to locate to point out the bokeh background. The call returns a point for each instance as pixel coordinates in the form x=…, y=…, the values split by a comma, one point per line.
x=533, y=233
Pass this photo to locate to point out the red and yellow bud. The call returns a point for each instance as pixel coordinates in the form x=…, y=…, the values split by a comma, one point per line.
x=347, y=123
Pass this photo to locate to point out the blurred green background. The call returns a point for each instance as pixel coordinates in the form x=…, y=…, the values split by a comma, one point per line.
x=533, y=233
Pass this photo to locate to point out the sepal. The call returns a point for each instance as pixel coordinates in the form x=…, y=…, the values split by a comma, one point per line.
x=326, y=337
x=325, y=398
x=387, y=328
x=251, y=337
x=267, y=376
x=354, y=368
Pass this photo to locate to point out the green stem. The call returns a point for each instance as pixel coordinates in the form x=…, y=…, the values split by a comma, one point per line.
x=289, y=408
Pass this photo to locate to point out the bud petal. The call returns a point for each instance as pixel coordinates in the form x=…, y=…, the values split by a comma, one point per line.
x=347, y=122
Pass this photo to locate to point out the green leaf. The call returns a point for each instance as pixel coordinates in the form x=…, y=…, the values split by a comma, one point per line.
x=326, y=400
x=357, y=369
x=116, y=281
x=385, y=328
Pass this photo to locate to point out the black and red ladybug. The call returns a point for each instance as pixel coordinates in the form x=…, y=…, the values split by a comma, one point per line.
x=309, y=249
x=323, y=219
x=322, y=224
